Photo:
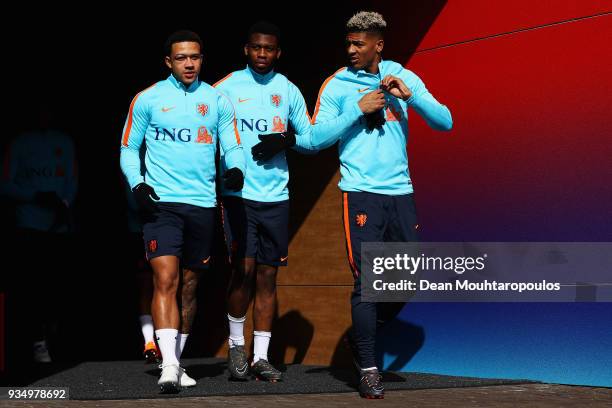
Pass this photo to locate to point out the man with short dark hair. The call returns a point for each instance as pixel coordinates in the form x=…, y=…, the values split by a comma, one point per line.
x=365, y=107
x=180, y=120
x=257, y=218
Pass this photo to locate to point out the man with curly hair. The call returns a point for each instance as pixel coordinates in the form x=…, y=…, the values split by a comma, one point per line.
x=364, y=107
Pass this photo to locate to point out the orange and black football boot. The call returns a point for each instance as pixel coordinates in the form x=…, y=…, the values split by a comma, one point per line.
x=151, y=353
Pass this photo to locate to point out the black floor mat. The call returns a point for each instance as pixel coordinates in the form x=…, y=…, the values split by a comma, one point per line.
x=134, y=379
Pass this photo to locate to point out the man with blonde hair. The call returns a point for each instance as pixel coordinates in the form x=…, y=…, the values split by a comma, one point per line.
x=364, y=107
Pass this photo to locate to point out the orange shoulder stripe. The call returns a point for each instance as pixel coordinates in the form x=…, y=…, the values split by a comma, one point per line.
x=128, y=128
x=222, y=79
x=318, y=104
x=236, y=131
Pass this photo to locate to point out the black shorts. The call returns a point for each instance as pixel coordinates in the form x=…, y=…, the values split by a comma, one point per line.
x=182, y=230
x=255, y=229
x=370, y=217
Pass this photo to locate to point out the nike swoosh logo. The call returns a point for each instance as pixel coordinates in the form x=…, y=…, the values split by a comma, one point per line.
x=243, y=369
x=284, y=259
x=168, y=109
x=363, y=89
x=244, y=100
x=205, y=261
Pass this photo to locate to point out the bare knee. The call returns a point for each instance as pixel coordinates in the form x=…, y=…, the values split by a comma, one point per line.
x=266, y=279
x=165, y=275
x=243, y=273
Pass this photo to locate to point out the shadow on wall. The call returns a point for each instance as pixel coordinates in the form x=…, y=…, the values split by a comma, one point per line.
x=292, y=333
x=97, y=299
x=399, y=339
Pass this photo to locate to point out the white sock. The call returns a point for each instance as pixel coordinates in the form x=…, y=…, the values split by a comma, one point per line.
x=146, y=325
x=180, y=344
x=166, y=340
x=260, y=345
x=369, y=369
x=236, y=329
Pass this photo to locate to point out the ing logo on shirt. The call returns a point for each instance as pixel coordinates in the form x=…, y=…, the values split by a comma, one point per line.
x=33, y=172
x=276, y=100
x=204, y=136
x=183, y=135
x=261, y=125
x=277, y=125
x=202, y=109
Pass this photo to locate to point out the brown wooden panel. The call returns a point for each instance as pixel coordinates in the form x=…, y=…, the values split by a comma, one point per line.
x=317, y=252
x=310, y=326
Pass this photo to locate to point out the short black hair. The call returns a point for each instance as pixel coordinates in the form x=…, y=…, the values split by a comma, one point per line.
x=265, y=27
x=181, y=36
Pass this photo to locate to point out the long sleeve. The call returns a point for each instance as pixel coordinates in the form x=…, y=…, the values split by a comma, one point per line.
x=134, y=132
x=436, y=115
x=229, y=138
x=300, y=120
x=330, y=122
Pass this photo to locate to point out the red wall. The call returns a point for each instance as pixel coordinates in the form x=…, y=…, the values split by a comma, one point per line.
x=529, y=85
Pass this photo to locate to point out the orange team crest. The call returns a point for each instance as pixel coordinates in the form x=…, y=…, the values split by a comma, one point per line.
x=152, y=245
x=278, y=125
x=276, y=100
x=204, y=136
x=392, y=115
x=361, y=219
x=202, y=109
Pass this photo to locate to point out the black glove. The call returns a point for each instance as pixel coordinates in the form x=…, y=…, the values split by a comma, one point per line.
x=272, y=144
x=50, y=200
x=233, y=179
x=145, y=194
x=375, y=120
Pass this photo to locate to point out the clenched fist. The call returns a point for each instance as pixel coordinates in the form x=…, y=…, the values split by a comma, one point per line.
x=372, y=102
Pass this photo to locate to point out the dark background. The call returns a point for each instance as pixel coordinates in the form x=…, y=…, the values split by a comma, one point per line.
x=527, y=160
x=87, y=65
x=90, y=66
